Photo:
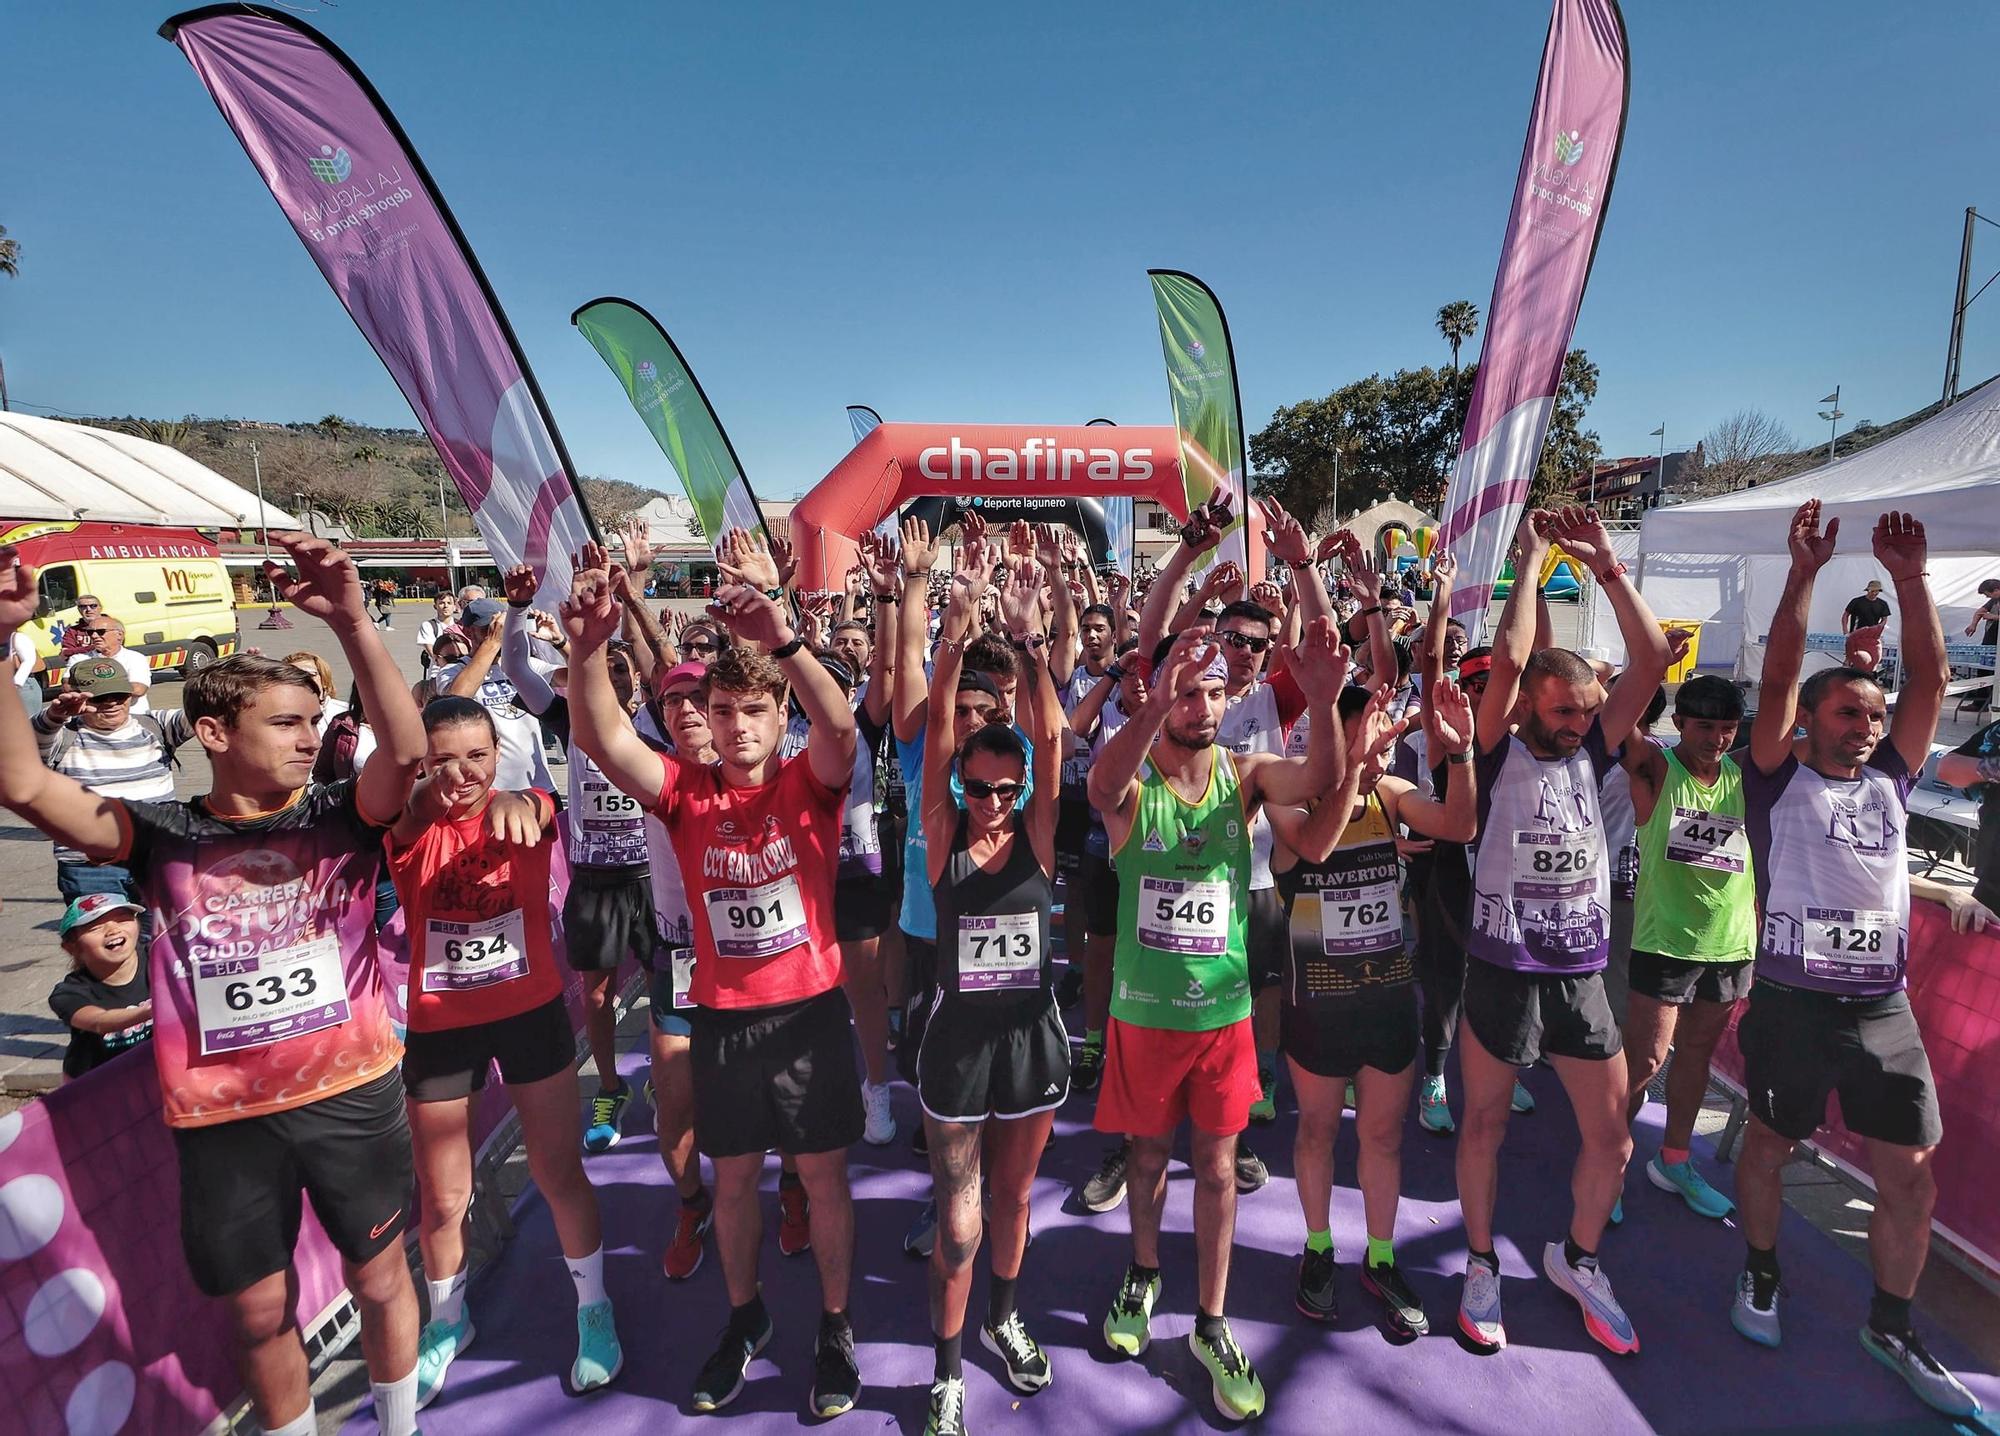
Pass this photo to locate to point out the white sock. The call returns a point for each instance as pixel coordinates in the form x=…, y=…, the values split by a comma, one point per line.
x=396, y=1405
x=448, y=1298
x=588, y=1274
x=304, y=1424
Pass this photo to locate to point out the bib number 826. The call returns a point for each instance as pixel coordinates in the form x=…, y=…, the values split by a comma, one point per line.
x=269, y=991
x=1561, y=860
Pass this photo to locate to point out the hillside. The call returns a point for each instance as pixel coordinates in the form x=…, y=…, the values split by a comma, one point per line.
x=373, y=482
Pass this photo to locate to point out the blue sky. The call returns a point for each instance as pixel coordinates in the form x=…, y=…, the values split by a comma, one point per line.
x=947, y=212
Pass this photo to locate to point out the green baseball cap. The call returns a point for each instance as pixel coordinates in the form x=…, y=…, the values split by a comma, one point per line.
x=99, y=677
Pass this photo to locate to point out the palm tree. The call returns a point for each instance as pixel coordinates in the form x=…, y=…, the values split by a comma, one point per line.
x=333, y=426
x=10, y=265
x=1458, y=321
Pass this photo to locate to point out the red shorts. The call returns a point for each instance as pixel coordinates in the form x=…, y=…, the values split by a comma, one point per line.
x=1154, y=1078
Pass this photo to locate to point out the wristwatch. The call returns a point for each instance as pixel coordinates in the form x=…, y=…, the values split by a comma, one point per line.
x=786, y=650
x=1032, y=641
x=1465, y=757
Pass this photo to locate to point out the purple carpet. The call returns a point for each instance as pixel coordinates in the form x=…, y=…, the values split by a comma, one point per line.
x=1673, y=1273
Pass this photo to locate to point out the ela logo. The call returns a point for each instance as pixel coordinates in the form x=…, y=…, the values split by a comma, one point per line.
x=648, y=374
x=1569, y=147
x=1196, y=349
x=330, y=166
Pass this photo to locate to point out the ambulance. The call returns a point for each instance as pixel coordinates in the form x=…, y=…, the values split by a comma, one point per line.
x=167, y=586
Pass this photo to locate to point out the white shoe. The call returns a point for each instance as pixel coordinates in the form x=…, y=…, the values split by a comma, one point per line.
x=880, y=1130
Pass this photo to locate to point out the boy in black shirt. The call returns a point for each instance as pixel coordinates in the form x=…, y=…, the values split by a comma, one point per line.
x=105, y=1001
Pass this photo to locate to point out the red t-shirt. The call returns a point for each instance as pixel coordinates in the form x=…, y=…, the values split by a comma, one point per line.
x=758, y=865
x=478, y=915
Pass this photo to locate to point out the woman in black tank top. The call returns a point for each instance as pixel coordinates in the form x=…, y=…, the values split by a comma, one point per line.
x=993, y=1044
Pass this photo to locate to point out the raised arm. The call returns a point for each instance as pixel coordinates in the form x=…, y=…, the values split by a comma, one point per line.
x=598, y=722
x=1514, y=639
x=1320, y=666
x=940, y=815
x=1902, y=549
x=1361, y=567
x=1020, y=607
x=1449, y=728
x=1431, y=662
x=1200, y=534
x=1113, y=785
x=1582, y=535
x=1785, y=651
x=885, y=577
x=536, y=694
x=912, y=628
x=1062, y=653
x=753, y=616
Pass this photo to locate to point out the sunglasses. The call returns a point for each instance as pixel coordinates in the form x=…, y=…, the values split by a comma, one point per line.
x=1244, y=640
x=1006, y=792
x=697, y=645
x=109, y=700
x=90, y=608
x=93, y=632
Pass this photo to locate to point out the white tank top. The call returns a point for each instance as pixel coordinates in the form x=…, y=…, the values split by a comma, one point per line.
x=1250, y=725
x=1541, y=875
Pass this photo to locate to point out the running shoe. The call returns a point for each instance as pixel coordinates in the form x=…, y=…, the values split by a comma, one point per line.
x=1106, y=1190
x=1251, y=1173
x=1433, y=1112
x=599, y=1357
x=1904, y=1354
x=1028, y=1368
x=607, y=1112
x=1617, y=1217
x=1479, y=1307
x=1265, y=1108
x=720, y=1380
x=1232, y=1380
x=1350, y=1101
x=1754, y=1313
x=895, y=1028
x=653, y=1101
x=1603, y=1317
x=1069, y=987
x=836, y=1377
x=880, y=1129
x=922, y=1235
x=1089, y=1068
x=947, y=1414
x=439, y=1346
x=1128, y=1326
x=1523, y=1100
x=1405, y=1307
x=683, y=1255
x=794, y=1219
x=1702, y=1199
x=1314, y=1295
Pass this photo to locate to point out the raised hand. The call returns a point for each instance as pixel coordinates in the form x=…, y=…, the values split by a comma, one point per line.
x=1448, y=712
x=1444, y=570
x=591, y=614
x=919, y=548
x=19, y=596
x=1204, y=527
x=974, y=571
x=1021, y=599
x=1900, y=545
x=66, y=705
x=884, y=566
x=1679, y=641
x=812, y=624
x=745, y=557
x=327, y=585
x=1048, y=548
x=1218, y=581
x=636, y=534
x=786, y=560
x=1191, y=654
x=1020, y=540
x=751, y=615
x=519, y=584
x=1269, y=594
x=544, y=623
x=1117, y=590
x=1284, y=535
x=1320, y=661
x=1581, y=533
x=1810, y=547
x=972, y=527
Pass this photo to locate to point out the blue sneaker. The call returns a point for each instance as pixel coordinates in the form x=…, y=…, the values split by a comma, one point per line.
x=1618, y=1213
x=1523, y=1100
x=1479, y=1307
x=1603, y=1317
x=439, y=1346
x=1702, y=1199
x=1433, y=1113
x=607, y=1112
x=1755, y=1311
x=599, y=1357
x=922, y=1235
x=1905, y=1354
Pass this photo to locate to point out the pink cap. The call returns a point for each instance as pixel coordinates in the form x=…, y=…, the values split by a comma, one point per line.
x=680, y=671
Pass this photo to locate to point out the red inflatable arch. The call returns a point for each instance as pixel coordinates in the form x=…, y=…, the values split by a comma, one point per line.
x=899, y=462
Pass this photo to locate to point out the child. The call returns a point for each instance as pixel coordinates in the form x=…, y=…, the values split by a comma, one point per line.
x=105, y=999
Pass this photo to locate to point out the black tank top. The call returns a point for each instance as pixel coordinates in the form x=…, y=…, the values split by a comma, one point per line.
x=993, y=928
x=1346, y=916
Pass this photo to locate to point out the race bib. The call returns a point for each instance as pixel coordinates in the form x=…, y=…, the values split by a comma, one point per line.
x=1851, y=944
x=1549, y=867
x=1359, y=920
x=610, y=826
x=1004, y=951
x=248, y=1001
x=460, y=956
x=1702, y=839
x=1183, y=917
x=756, y=922
x=683, y=969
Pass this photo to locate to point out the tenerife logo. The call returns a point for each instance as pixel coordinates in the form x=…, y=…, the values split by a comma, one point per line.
x=648, y=373
x=1569, y=147
x=1195, y=348
x=330, y=166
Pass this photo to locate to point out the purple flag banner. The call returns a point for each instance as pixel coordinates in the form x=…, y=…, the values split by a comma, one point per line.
x=369, y=215
x=1574, y=133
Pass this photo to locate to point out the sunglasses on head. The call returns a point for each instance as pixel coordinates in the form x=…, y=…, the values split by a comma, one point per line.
x=1245, y=640
x=1006, y=792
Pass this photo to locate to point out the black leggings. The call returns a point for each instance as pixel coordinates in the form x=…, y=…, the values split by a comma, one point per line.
x=1442, y=882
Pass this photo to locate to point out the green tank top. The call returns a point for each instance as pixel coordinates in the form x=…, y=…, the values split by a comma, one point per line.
x=1183, y=886
x=1697, y=897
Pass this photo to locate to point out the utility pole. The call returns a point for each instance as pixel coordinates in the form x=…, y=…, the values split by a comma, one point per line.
x=1955, y=349
x=275, y=618
x=1833, y=414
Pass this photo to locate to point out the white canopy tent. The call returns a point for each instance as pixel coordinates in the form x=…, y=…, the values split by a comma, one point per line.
x=52, y=470
x=1723, y=560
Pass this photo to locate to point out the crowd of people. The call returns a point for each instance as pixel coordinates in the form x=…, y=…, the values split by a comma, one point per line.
x=1297, y=838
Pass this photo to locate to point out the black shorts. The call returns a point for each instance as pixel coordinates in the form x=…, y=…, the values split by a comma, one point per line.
x=1072, y=835
x=1677, y=980
x=1376, y=1027
x=977, y=1062
x=1091, y=897
x=608, y=913
x=781, y=1077
x=242, y=1184
x=860, y=908
x=530, y=1046
x=1521, y=1017
x=920, y=977
x=1267, y=937
x=890, y=825
x=1798, y=1046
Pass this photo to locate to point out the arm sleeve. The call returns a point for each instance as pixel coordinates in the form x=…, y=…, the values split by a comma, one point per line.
x=536, y=694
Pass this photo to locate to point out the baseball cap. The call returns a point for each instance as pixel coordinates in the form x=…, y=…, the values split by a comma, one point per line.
x=99, y=677
x=682, y=672
x=92, y=906
x=482, y=611
x=972, y=681
x=1874, y=585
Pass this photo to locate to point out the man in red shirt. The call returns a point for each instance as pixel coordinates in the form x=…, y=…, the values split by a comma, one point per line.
x=758, y=839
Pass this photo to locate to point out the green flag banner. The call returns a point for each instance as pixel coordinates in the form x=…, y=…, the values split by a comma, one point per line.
x=1201, y=376
x=669, y=398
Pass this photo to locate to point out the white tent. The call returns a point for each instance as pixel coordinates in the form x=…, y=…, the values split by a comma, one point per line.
x=1723, y=560
x=52, y=470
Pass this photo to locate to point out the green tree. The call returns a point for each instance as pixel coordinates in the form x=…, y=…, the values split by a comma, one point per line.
x=333, y=426
x=1571, y=451
x=1394, y=435
x=174, y=433
x=1458, y=321
x=10, y=265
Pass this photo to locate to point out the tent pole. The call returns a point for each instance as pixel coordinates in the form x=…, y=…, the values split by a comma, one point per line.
x=1956, y=348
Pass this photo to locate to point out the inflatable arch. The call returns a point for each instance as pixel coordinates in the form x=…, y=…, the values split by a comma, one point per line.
x=1007, y=471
